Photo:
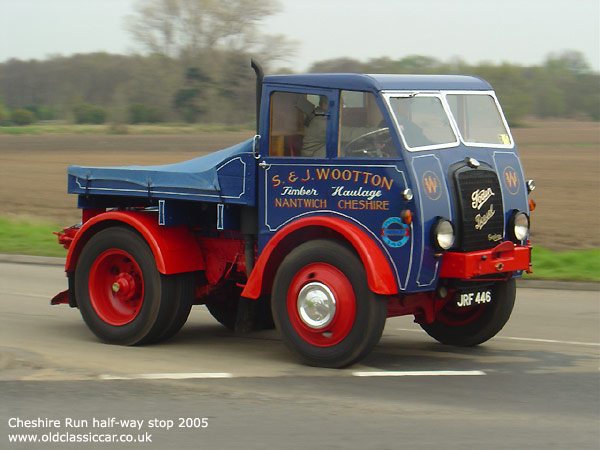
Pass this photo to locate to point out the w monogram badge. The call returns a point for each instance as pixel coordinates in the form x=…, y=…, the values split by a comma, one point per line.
x=431, y=185
x=511, y=180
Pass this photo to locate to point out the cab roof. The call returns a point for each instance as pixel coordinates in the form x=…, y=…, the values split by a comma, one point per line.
x=381, y=82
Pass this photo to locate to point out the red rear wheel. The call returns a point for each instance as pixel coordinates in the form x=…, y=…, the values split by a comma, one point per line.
x=116, y=287
x=121, y=295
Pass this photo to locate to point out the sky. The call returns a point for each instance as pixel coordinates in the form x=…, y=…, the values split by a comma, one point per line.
x=521, y=32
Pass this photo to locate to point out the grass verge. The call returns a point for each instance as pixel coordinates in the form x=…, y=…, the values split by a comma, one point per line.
x=583, y=265
x=162, y=128
x=28, y=237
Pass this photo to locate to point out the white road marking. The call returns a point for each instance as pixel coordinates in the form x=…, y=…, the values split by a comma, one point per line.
x=418, y=373
x=551, y=341
x=209, y=375
x=168, y=376
x=25, y=294
x=546, y=341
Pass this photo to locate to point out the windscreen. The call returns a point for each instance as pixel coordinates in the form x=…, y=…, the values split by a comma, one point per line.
x=478, y=118
x=423, y=121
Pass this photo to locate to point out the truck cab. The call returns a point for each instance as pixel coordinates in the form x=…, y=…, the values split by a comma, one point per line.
x=361, y=197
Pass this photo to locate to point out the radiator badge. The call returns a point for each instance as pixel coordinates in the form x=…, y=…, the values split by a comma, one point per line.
x=480, y=196
x=481, y=220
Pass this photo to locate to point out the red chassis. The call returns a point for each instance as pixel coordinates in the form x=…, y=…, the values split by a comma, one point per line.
x=221, y=256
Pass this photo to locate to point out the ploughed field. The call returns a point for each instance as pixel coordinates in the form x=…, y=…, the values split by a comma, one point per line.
x=562, y=157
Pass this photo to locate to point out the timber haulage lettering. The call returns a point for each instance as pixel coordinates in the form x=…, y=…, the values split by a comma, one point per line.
x=341, y=191
x=287, y=190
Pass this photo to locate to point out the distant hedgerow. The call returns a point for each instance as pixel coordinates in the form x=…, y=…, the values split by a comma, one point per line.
x=86, y=113
x=139, y=113
x=22, y=117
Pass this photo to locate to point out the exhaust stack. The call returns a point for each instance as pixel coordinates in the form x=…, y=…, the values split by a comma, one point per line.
x=259, y=80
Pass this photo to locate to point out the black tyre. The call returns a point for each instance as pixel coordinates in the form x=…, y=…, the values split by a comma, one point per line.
x=475, y=324
x=225, y=306
x=182, y=305
x=121, y=295
x=323, y=307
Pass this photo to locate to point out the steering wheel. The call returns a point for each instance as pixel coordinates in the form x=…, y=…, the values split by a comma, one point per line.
x=372, y=143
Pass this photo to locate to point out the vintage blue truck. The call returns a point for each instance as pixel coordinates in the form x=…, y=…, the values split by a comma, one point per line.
x=361, y=197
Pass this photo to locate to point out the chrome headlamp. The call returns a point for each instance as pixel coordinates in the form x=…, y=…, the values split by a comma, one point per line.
x=518, y=226
x=442, y=234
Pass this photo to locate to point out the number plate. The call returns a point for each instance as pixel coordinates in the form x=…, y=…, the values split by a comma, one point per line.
x=466, y=299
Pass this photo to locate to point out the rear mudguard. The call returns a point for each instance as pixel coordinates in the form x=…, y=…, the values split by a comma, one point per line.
x=380, y=276
x=174, y=248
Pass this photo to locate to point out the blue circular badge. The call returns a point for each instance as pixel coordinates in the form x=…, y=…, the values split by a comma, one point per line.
x=394, y=232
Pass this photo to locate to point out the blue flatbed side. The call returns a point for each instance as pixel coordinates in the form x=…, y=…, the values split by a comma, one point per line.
x=226, y=176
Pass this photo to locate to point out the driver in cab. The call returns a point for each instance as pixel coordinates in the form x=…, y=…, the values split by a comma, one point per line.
x=358, y=137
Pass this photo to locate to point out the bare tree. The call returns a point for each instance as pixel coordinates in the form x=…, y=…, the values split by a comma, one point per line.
x=177, y=28
x=155, y=25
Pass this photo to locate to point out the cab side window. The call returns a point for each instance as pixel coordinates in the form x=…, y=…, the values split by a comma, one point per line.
x=298, y=124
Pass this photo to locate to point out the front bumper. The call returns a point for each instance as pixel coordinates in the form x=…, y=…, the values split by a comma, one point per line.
x=505, y=257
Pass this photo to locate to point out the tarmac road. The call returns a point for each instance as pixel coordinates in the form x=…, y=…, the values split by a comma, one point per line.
x=536, y=385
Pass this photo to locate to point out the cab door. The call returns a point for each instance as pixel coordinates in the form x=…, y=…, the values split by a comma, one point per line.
x=298, y=137
x=355, y=178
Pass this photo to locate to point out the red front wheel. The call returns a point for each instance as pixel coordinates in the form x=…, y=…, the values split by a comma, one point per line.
x=321, y=304
x=323, y=307
x=476, y=323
